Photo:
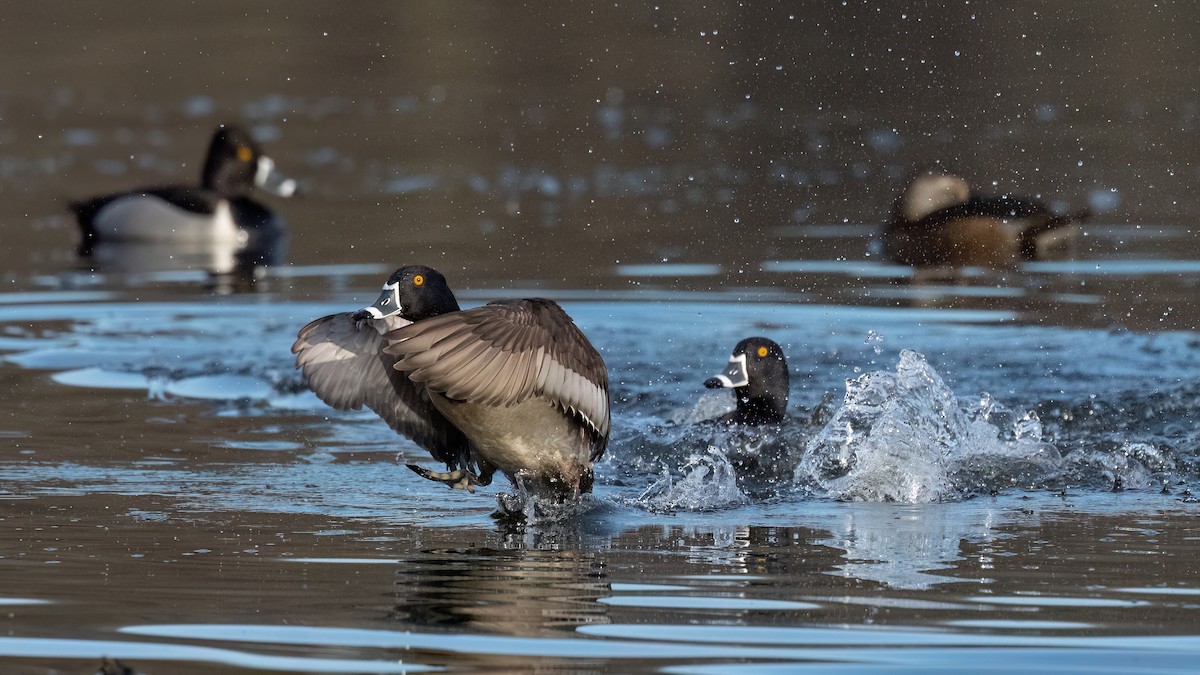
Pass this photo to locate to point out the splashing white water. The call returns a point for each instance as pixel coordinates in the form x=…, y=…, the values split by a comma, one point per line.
x=708, y=406
x=904, y=437
x=709, y=481
x=1132, y=465
x=521, y=504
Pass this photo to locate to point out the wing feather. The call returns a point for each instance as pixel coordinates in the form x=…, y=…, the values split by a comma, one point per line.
x=432, y=355
x=467, y=381
x=506, y=352
x=346, y=366
x=453, y=365
x=488, y=367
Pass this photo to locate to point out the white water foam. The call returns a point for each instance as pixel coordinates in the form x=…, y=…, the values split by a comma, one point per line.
x=1132, y=465
x=903, y=436
x=708, y=481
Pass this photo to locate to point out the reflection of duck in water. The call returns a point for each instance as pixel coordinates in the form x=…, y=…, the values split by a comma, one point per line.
x=513, y=385
x=939, y=222
x=518, y=591
x=214, y=226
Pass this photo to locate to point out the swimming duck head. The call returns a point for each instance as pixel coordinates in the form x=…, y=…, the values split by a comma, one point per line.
x=758, y=374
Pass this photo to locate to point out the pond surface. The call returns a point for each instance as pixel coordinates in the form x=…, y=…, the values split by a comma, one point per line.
x=996, y=471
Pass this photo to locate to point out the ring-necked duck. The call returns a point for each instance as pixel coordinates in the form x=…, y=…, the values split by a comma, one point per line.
x=219, y=210
x=512, y=386
x=758, y=376
x=939, y=222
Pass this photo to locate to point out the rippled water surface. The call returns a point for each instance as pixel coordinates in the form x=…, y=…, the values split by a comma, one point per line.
x=993, y=471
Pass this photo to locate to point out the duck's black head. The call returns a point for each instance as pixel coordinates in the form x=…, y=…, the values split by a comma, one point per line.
x=758, y=375
x=236, y=164
x=413, y=292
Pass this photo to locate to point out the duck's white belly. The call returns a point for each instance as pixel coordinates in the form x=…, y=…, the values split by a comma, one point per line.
x=148, y=218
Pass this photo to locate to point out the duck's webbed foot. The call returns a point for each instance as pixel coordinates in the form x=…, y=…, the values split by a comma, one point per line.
x=458, y=479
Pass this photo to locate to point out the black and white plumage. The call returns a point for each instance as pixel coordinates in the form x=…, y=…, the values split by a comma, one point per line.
x=758, y=374
x=939, y=222
x=217, y=212
x=512, y=386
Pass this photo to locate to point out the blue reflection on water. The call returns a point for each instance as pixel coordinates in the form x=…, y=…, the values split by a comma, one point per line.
x=852, y=645
x=52, y=648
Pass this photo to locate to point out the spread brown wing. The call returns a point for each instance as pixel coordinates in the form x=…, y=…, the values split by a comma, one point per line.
x=344, y=364
x=505, y=352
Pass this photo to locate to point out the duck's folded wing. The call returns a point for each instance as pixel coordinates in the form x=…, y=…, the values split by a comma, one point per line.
x=505, y=352
x=344, y=364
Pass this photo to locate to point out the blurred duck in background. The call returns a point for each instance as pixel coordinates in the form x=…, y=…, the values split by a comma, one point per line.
x=939, y=222
x=214, y=226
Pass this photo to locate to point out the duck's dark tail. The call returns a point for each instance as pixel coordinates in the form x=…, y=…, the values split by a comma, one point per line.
x=1049, y=234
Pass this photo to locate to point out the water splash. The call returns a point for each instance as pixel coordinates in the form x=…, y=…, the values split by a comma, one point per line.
x=904, y=437
x=710, y=405
x=702, y=465
x=708, y=481
x=875, y=340
x=522, y=505
x=1131, y=465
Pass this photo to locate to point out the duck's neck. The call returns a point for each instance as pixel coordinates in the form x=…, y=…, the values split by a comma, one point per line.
x=760, y=409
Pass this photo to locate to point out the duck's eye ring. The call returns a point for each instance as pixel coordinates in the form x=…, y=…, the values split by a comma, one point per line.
x=762, y=351
x=418, y=280
x=244, y=154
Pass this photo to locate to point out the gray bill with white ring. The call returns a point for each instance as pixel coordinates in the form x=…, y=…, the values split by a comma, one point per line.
x=387, y=304
x=735, y=375
x=270, y=179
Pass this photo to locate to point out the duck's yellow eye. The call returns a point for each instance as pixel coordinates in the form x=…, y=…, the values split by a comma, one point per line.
x=418, y=280
x=244, y=154
x=762, y=351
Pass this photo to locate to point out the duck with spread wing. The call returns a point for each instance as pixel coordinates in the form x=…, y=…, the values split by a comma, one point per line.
x=512, y=386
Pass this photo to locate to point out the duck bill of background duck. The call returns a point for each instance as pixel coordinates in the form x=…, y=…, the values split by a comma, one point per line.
x=387, y=304
x=270, y=179
x=735, y=375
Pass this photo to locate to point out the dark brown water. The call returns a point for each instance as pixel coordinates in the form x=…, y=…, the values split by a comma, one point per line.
x=679, y=177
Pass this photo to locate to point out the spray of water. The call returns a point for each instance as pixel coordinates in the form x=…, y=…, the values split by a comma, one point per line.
x=903, y=436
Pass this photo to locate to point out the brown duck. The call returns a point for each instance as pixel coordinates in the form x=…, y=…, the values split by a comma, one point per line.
x=939, y=222
x=512, y=386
